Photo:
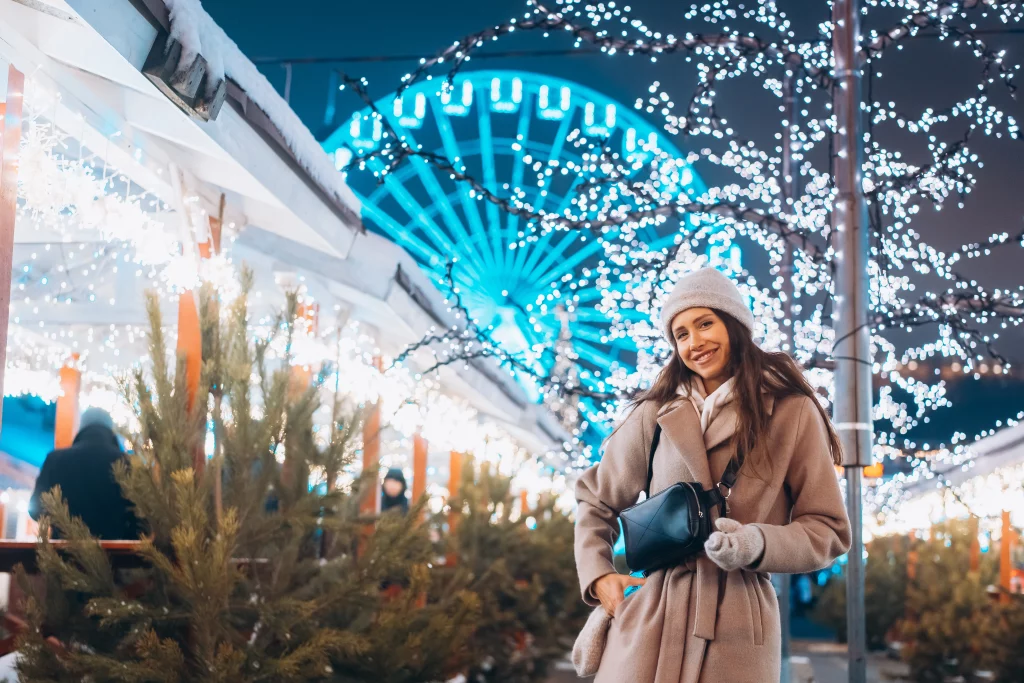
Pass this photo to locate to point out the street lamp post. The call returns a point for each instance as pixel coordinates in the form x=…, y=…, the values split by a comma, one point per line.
x=851, y=349
x=788, y=187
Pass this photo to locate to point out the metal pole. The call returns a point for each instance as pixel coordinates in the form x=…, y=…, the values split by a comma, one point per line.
x=788, y=187
x=850, y=311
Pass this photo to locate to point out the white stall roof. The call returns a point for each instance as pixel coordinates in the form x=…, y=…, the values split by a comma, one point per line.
x=291, y=209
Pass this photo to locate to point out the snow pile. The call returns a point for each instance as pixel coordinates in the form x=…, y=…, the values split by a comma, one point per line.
x=199, y=34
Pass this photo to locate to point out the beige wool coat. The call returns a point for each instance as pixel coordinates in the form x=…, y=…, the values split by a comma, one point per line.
x=697, y=623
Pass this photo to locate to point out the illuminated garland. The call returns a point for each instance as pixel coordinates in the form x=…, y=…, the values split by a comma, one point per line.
x=614, y=199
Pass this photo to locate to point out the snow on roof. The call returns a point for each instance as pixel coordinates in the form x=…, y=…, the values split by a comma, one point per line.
x=199, y=34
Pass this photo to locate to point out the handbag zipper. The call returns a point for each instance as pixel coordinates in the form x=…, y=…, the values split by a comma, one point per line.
x=696, y=498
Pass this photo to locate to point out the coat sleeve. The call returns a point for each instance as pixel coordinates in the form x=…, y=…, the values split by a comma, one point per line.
x=607, y=488
x=819, y=530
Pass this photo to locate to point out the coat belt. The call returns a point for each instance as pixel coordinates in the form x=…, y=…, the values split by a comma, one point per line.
x=706, y=609
x=707, y=576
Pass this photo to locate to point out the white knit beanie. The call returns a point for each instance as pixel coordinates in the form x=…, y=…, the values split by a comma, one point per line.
x=705, y=288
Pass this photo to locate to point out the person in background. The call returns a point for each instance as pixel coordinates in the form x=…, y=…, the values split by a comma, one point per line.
x=85, y=474
x=392, y=494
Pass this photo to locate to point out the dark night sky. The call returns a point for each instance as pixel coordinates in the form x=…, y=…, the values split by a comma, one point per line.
x=927, y=74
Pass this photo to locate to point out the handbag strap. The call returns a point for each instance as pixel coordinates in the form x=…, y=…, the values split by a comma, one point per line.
x=728, y=480
x=650, y=458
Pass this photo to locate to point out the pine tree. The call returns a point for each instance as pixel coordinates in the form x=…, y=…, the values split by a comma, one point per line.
x=951, y=623
x=261, y=581
x=1008, y=642
x=885, y=587
x=525, y=579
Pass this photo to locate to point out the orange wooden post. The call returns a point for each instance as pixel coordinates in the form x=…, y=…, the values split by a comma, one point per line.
x=454, y=481
x=66, y=423
x=975, y=557
x=308, y=321
x=371, y=451
x=190, y=345
x=211, y=245
x=524, y=505
x=301, y=376
x=1005, y=550
x=420, y=449
x=10, y=147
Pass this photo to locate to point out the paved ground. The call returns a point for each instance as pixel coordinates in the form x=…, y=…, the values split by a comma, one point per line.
x=813, y=662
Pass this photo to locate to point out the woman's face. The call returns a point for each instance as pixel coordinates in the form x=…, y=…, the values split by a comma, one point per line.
x=702, y=342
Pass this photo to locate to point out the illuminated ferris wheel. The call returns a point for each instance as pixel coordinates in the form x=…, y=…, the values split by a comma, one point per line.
x=510, y=130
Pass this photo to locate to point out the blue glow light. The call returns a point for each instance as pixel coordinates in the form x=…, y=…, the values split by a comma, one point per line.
x=519, y=138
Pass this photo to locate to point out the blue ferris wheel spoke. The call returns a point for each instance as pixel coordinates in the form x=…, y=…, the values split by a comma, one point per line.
x=592, y=246
x=528, y=257
x=439, y=198
x=589, y=248
x=617, y=343
x=589, y=294
x=415, y=210
x=592, y=315
x=470, y=206
x=556, y=149
x=594, y=356
x=585, y=333
x=567, y=239
x=534, y=268
x=490, y=180
x=523, y=138
x=434, y=264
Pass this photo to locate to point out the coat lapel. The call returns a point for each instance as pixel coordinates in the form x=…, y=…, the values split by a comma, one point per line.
x=723, y=426
x=682, y=428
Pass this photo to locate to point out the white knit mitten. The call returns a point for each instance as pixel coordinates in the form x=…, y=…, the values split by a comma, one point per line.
x=734, y=545
x=589, y=647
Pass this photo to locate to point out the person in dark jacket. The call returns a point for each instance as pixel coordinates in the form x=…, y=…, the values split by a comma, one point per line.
x=392, y=494
x=85, y=474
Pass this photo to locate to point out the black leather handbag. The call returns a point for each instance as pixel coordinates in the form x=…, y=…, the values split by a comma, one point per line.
x=670, y=528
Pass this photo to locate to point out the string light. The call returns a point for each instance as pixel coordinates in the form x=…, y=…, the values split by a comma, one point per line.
x=631, y=205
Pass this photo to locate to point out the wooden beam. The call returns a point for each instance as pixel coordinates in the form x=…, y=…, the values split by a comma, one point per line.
x=190, y=345
x=10, y=133
x=371, y=451
x=454, y=480
x=66, y=422
x=420, y=455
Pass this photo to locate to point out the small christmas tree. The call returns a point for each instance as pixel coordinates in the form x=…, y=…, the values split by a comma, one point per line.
x=1008, y=643
x=885, y=587
x=251, y=572
x=525, y=579
x=950, y=626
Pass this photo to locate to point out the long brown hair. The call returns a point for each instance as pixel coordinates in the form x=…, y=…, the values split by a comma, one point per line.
x=756, y=372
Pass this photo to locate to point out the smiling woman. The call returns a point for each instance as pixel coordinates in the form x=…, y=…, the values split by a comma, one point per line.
x=722, y=403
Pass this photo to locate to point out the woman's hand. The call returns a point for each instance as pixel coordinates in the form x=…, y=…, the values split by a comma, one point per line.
x=734, y=545
x=610, y=587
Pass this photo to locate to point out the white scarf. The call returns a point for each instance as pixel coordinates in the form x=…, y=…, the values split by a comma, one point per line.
x=708, y=406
